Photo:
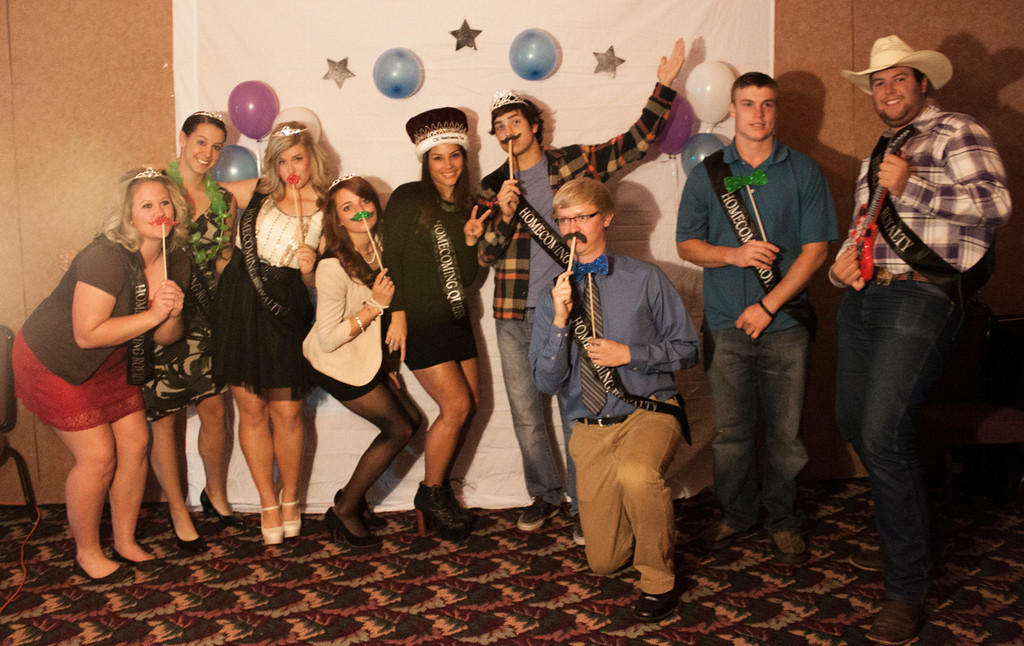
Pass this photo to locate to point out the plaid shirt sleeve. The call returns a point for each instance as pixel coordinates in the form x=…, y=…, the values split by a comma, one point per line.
x=956, y=195
x=507, y=245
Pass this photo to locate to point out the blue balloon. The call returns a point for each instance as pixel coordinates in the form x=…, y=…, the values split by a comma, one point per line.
x=397, y=73
x=698, y=147
x=533, y=55
x=235, y=163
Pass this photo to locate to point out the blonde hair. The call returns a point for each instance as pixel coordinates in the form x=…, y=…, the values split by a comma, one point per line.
x=584, y=190
x=270, y=182
x=118, y=226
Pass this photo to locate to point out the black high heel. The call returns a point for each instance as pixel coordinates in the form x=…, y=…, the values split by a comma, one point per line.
x=120, y=575
x=231, y=520
x=434, y=510
x=370, y=519
x=335, y=527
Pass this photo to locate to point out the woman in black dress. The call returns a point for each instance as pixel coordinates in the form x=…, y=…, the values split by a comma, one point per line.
x=429, y=249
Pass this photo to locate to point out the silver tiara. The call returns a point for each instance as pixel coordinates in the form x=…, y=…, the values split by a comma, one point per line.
x=149, y=173
x=206, y=113
x=506, y=97
x=343, y=178
x=288, y=131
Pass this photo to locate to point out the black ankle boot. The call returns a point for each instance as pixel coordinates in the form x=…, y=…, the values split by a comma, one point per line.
x=468, y=517
x=434, y=510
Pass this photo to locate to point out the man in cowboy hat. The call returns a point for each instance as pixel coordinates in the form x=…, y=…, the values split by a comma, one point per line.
x=758, y=217
x=939, y=199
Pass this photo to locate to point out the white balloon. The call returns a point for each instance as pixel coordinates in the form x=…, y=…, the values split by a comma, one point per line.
x=708, y=88
x=302, y=115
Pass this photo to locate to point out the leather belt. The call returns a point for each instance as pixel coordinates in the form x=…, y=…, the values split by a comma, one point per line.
x=885, y=277
x=603, y=421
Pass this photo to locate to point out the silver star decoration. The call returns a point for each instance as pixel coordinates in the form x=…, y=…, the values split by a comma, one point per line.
x=464, y=36
x=607, y=61
x=337, y=71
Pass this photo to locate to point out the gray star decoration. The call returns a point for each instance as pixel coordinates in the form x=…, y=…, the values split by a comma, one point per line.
x=337, y=71
x=607, y=61
x=464, y=36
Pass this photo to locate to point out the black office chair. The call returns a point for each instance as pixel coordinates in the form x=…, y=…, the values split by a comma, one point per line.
x=9, y=415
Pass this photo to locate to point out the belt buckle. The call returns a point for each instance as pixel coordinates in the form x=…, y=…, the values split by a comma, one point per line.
x=882, y=276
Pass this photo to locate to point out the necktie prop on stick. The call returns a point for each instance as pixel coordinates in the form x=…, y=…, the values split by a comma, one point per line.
x=594, y=393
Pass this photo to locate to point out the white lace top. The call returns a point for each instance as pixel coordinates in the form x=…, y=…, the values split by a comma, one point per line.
x=277, y=234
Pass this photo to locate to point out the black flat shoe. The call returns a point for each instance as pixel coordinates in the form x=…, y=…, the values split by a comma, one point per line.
x=120, y=575
x=336, y=527
x=370, y=519
x=230, y=520
x=655, y=607
x=152, y=565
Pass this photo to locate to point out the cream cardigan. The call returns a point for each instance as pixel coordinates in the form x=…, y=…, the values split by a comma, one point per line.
x=329, y=346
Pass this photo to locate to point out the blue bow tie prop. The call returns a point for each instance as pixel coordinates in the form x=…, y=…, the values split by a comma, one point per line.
x=598, y=266
x=757, y=178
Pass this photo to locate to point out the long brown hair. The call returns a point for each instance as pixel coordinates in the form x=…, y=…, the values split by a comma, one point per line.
x=430, y=197
x=338, y=243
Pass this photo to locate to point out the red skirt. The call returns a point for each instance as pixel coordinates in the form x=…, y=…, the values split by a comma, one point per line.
x=103, y=398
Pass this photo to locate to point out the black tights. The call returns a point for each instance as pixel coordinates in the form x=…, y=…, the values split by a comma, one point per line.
x=381, y=408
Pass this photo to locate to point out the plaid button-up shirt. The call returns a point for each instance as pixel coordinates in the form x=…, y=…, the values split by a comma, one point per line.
x=956, y=195
x=507, y=245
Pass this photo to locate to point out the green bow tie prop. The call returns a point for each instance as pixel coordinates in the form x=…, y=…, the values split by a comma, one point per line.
x=757, y=178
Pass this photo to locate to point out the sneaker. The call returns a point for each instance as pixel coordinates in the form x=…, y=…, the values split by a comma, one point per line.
x=868, y=558
x=898, y=622
x=577, y=531
x=534, y=516
x=716, y=537
x=789, y=546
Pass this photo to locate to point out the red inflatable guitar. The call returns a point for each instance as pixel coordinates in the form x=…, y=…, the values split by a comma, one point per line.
x=866, y=229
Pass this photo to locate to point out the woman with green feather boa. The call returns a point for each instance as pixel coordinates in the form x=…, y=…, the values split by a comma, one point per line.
x=183, y=374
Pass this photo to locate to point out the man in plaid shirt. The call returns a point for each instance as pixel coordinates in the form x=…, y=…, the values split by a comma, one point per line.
x=524, y=269
x=946, y=195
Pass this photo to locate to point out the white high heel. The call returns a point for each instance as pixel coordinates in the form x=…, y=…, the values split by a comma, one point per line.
x=291, y=527
x=271, y=535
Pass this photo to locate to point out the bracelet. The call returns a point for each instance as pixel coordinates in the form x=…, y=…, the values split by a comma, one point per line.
x=765, y=308
x=374, y=303
x=359, y=323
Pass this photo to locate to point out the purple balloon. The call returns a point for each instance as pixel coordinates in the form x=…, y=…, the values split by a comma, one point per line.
x=252, y=106
x=679, y=126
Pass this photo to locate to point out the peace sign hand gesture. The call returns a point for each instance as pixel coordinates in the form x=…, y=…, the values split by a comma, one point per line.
x=474, y=227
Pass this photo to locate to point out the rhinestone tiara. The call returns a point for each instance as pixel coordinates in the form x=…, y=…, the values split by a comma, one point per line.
x=506, y=97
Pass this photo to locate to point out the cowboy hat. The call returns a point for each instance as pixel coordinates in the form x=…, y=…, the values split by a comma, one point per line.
x=891, y=51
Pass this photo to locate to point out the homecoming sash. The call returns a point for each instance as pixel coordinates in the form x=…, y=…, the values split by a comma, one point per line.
x=958, y=286
x=800, y=309
x=540, y=230
x=247, y=235
x=138, y=347
x=609, y=377
x=448, y=265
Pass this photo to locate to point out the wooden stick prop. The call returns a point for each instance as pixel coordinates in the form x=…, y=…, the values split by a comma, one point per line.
x=293, y=181
x=590, y=284
x=363, y=216
x=572, y=252
x=164, y=222
x=760, y=225
x=511, y=157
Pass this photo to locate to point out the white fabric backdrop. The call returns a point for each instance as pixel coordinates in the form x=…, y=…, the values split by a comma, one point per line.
x=221, y=43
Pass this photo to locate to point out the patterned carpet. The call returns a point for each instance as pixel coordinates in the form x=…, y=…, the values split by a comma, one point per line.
x=505, y=586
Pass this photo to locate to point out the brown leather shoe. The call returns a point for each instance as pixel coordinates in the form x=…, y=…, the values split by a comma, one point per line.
x=869, y=559
x=898, y=622
x=717, y=537
x=789, y=547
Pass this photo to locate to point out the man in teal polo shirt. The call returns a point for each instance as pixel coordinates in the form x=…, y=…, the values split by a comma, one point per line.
x=758, y=217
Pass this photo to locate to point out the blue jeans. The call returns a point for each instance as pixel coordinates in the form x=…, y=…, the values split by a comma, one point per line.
x=893, y=342
x=540, y=464
x=745, y=374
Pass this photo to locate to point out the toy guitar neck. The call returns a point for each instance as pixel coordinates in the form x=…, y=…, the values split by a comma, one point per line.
x=866, y=229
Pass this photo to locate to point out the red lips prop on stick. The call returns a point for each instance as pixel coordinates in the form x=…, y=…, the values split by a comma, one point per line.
x=164, y=222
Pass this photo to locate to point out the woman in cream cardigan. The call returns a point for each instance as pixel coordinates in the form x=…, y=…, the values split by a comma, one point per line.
x=345, y=347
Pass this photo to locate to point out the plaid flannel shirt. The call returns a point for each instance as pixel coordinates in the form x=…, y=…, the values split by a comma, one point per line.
x=507, y=245
x=956, y=195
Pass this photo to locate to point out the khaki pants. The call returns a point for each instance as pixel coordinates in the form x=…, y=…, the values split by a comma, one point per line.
x=620, y=480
